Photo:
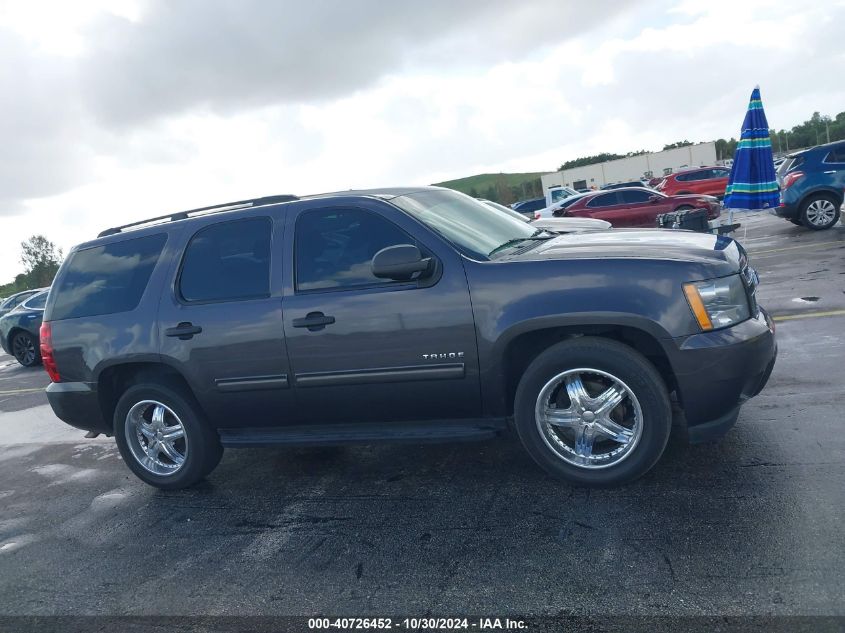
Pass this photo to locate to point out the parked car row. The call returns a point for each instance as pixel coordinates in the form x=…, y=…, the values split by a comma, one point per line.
x=19, y=327
x=554, y=225
x=10, y=303
x=632, y=206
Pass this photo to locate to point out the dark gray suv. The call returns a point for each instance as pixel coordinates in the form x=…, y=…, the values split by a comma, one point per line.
x=412, y=315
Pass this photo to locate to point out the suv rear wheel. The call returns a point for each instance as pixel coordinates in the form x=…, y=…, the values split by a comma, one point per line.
x=593, y=411
x=163, y=438
x=820, y=211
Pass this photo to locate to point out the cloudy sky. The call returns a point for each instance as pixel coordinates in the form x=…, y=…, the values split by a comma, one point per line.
x=116, y=110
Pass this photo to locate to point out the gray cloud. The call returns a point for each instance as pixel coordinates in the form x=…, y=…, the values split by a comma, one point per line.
x=41, y=125
x=228, y=56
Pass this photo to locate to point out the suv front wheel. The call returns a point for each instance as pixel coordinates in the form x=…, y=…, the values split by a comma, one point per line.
x=163, y=438
x=593, y=411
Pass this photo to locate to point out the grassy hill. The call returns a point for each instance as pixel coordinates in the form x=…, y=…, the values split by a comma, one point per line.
x=503, y=188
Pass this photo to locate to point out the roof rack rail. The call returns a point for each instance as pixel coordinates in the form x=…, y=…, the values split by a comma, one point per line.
x=183, y=215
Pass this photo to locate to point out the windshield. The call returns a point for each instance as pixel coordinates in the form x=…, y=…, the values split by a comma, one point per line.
x=559, y=194
x=572, y=200
x=472, y=226
x=504, y=209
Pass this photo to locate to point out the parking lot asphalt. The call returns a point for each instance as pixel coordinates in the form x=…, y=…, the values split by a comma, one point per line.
x=749, y=525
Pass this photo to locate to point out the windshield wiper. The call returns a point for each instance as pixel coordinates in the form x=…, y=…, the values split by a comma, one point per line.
x=537, y=235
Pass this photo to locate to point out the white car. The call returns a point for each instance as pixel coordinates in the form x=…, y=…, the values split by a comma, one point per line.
x=549, y=211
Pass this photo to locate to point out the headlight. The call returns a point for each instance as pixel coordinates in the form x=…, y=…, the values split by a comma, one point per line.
x=718, y=303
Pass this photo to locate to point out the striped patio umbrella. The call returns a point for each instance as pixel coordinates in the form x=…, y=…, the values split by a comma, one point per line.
x=753, y=184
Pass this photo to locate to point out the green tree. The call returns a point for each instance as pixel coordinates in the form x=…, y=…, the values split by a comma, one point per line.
x=41, y=260
x=683, y=143
x=504, y=194
x=589, y=160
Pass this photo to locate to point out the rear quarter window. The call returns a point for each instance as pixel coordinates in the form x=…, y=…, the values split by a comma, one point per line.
x=836, y=155
x=106, y=279
x=227, y=261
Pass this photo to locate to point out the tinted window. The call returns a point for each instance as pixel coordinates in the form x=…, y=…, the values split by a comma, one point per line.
x=602, y=201
x=227, y=261
x=37, y=302
x=721, y=173
x=16, y=301
x=688, y=176
x=335, y=247
x=837, y=155
x=570, y=201
x=790, y=164
x=107, y=279
x=632, y=197
x=11, y=302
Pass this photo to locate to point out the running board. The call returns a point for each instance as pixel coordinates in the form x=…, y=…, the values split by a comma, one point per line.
x=338, y=434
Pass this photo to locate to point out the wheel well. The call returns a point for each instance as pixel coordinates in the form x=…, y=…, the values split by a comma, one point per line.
x=523, y=349
x=14, y=331
x=827, y=193
x=115, y=380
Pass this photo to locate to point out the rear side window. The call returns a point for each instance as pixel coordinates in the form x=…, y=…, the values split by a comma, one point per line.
x=227, y=261
x=790, y=164
x=837, y=155
x=107, y=279
x=37, y=302
x=606, y=200
x=633, y=197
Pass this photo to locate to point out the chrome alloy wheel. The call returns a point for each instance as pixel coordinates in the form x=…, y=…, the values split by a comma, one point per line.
x=589, y=418
x=821, y=212
x=156, y=437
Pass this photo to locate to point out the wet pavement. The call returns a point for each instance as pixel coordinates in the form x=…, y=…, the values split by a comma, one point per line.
x=750, y=525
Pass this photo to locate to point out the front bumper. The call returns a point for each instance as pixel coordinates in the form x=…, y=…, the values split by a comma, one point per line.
x=77, y=404
x=718, y=371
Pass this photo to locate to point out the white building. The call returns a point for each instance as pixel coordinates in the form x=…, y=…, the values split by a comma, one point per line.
x=633, y=167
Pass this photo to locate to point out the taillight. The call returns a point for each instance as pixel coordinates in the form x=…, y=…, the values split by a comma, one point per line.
x=537, y=215
x=791, y=178
x=47, y=358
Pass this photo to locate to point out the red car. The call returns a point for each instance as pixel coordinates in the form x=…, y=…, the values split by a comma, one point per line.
x=708, y=181
x=633, y=206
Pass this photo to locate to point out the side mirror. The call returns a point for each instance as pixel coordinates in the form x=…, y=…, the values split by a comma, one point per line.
x=653, y=199
x=400, y=263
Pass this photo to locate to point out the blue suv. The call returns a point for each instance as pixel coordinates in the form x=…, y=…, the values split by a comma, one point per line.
x=812, y=184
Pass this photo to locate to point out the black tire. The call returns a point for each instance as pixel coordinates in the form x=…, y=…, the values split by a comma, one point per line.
x=25, y=349
x=202, y=449
x=819, y=200
x=622, y=363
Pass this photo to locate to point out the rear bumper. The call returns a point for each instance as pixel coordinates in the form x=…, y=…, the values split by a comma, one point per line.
x=77, y=404
x=718, y=371
x=789, y=211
